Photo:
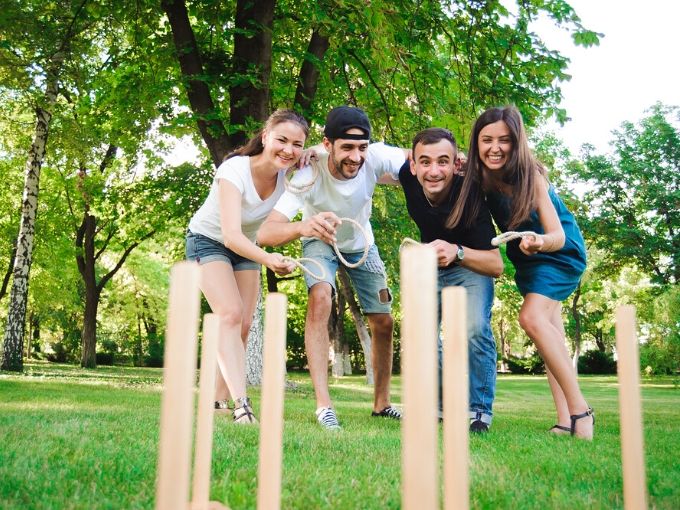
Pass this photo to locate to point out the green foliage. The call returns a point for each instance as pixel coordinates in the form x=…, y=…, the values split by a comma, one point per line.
x=596, y=362
x=636, y=195
x=530, y=365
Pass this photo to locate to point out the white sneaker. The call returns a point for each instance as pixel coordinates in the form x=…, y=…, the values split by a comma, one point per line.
x=327, y=418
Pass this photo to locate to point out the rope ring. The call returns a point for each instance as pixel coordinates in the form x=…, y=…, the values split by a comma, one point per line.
x=511, y=236
x=366, y=247
x=294, y=188
x=407, y=241
x=299, y=263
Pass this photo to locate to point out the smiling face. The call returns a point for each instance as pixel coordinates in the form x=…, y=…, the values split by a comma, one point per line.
x=283, y=144
x=346, y=157
x=495, y=145
x=434, y=165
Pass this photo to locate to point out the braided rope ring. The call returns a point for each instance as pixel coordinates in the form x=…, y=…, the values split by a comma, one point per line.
x=294, y=188
x=511, y=236
x=299, y=263
x=366, y=247
x=406, y=242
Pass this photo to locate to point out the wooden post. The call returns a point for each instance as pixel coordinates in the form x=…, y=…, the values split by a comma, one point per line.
x=632, y=450
x=271, y=409
x=420, y=487
x=200, y=495
x=455, y=382
x=172, y=489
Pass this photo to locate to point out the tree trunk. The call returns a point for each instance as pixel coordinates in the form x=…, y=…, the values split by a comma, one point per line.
x=211, y=128
x=8, y=273
x=86, y=265
x=251, y=65
x=254, y=350
x=309, y=73
x=336, y=333
x=362, y=330
x=16, y=315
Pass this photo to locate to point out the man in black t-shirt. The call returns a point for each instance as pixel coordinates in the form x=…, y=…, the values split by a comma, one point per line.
x=464, y=255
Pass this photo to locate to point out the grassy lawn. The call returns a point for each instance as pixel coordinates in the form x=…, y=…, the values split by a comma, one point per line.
x=74, y=438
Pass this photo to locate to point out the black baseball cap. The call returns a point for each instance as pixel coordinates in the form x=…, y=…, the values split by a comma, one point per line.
x=343, y=118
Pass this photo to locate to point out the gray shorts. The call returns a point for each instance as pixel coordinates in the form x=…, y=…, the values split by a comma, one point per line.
x=203, y=249
x=369, y=280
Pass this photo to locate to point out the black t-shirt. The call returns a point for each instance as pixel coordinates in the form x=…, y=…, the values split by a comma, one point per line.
x=431, y=221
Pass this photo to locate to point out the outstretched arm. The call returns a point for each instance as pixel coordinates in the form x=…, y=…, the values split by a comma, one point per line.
x=277, y=229
x=486, y=262
x=553, y=238
x=235, y=240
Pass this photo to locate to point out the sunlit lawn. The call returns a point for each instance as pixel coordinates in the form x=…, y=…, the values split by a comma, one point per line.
x=74, y=438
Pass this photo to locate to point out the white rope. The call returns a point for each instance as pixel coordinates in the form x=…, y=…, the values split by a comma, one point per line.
x=299, y=263
x=297, y=189
x=366, y=247
x=510, y=236
x=407, y=241
x=322, y=273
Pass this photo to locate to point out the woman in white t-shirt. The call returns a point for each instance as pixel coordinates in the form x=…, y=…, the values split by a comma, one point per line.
x=221, y=238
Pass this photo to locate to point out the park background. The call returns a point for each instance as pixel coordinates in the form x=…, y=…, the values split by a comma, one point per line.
x=114, y=115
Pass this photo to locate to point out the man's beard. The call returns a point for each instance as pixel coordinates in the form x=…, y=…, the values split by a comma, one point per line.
x=338, y=165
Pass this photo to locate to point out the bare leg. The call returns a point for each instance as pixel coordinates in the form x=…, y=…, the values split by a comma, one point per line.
x=536, y=318
x=381, y=325
x=219, y=285
x=317, y=341
x=557, y=393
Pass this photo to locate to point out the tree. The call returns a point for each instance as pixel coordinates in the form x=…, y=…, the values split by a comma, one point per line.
x=46, y=52
x=636, y=195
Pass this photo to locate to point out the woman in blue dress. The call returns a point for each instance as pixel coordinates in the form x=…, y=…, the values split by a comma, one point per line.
x=548, y=265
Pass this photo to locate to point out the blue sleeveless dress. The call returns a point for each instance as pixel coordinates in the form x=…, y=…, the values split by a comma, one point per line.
x=554, y=274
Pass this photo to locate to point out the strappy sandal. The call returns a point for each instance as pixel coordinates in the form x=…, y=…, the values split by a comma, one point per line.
x=224, y=406
x=576, y=417
x=555, y=429
x=243, y=412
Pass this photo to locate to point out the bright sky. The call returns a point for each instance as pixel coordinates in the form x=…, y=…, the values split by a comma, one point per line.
x=635, y=65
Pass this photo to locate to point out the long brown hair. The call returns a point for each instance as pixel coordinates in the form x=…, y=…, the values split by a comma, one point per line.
x=254, y=146
x=519, y=172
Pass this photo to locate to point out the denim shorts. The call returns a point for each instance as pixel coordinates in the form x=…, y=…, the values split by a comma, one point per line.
x=369, y=280
x=203, y=249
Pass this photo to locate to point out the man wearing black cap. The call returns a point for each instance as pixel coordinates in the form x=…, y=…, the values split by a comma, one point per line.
x=343, y=183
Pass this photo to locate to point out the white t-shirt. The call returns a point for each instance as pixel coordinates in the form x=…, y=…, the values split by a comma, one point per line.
x=351, y=198
x=254, y=210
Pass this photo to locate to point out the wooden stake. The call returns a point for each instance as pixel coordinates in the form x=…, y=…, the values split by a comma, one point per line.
x=271, y=409
x=206, y=410
x=455, y=382
x=172, y=489
x=420, y=487
x=632, y=450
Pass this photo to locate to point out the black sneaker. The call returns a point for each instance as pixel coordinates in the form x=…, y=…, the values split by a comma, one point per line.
x=389, y=412
x=479, y=427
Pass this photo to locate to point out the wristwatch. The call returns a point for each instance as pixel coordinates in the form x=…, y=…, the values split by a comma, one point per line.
x=460, y=254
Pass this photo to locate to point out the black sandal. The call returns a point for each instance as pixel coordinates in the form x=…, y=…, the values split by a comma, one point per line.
x=559, y=427
x=243, y=414
x=576, y=417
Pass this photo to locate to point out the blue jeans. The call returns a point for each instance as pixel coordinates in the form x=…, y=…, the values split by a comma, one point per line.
x=481, y=344
x=369, y=280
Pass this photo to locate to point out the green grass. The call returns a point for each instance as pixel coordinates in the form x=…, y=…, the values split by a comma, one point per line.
x=75, y=438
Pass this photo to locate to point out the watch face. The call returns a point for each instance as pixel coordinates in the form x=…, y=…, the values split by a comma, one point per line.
x=461, y=253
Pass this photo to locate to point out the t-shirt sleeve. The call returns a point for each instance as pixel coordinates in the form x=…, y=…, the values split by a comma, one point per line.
x=405, y=173
x=289, y=204
x=234, y=171
x=386, y=159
